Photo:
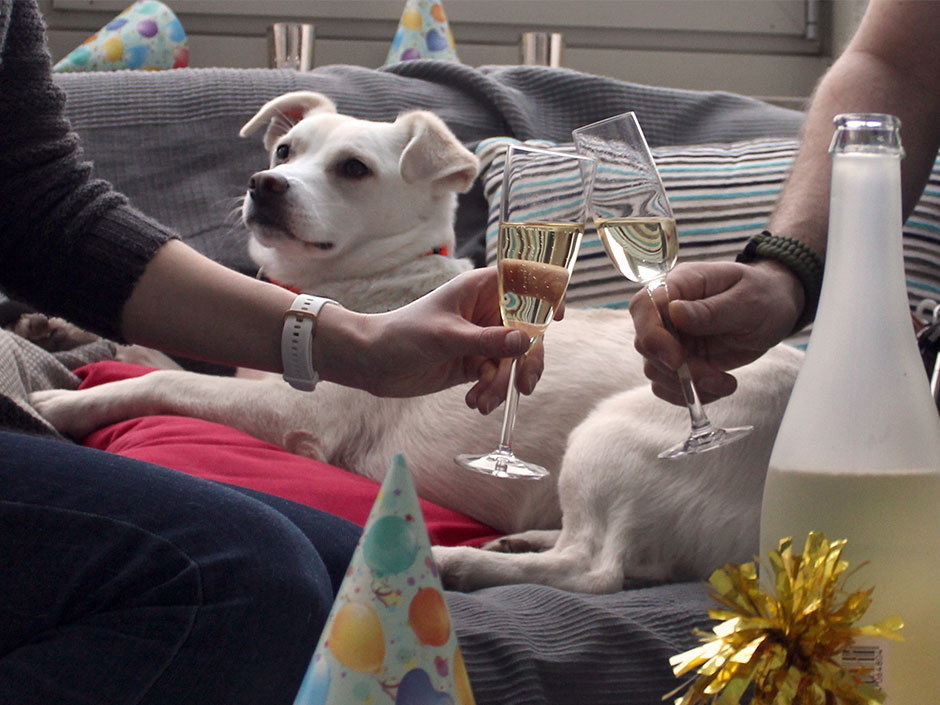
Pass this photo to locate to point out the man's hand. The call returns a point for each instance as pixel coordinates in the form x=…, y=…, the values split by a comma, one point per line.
x=727, y=315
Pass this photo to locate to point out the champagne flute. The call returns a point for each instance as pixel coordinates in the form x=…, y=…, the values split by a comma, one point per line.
x=636, y=225
x=540, y=231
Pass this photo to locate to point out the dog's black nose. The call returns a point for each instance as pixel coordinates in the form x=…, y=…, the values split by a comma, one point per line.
x=266, y=183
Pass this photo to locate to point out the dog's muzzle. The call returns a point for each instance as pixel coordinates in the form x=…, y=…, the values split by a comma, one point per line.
x=265, y=206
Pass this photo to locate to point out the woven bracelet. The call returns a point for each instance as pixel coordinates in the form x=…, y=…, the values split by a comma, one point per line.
x=796, y=256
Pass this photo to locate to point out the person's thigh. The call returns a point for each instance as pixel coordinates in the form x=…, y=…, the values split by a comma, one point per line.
x=334, y=538
x=124, y=582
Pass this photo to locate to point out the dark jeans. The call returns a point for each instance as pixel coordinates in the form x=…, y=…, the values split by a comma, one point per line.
x=123, y=582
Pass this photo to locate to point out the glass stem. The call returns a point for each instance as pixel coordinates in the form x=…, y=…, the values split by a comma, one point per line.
x=700, y=423
x=659, y=295
x=512, y=401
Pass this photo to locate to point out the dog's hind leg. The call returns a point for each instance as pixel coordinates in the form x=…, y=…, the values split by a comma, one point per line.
x=588, y=555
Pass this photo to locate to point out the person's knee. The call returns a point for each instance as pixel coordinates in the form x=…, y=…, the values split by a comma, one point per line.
x=265, y=597
x=261, y=557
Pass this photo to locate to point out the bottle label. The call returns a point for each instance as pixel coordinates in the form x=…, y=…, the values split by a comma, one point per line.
x=869, y=658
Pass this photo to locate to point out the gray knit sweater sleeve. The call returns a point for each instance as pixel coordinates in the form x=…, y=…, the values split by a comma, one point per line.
x=69, y=244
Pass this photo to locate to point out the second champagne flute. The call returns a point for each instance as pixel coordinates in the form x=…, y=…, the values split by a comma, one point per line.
x=541, y=222
x=637, y=228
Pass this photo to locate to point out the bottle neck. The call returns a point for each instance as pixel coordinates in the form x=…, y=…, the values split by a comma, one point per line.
x=865, y=259
x=864, y=262
x=872, y=133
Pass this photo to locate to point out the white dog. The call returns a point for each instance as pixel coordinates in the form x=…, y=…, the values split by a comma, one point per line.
x=361, y=211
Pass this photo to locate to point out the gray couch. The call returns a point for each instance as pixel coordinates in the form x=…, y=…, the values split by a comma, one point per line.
x=169, y=141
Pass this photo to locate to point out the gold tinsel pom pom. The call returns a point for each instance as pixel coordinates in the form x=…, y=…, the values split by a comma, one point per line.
x=785, y=644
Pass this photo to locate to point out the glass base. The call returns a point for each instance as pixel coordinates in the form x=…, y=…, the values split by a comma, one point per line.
x=501, y=463
x=708, y=440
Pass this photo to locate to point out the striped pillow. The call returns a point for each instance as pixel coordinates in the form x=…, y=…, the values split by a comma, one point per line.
x=721, y=195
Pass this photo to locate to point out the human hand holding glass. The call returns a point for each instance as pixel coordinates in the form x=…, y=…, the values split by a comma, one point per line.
x=636, y=225
x=540, y=232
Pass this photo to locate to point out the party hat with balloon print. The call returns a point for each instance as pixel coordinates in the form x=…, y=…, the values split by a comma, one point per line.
x=147, y=35
x=388, y=639
x=423, y=33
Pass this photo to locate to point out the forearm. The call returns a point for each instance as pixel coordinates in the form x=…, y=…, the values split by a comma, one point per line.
x=890, y=67
x=803, y=208
x=188, y=305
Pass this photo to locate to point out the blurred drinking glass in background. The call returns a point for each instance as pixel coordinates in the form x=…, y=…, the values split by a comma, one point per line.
x=541, y=48
x=290, y=46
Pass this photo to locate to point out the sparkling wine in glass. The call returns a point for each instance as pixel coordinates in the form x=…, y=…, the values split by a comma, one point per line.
x=636, y=225
x=540, y=231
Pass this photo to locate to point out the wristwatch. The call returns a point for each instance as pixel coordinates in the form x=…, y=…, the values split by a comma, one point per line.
x=300, y=327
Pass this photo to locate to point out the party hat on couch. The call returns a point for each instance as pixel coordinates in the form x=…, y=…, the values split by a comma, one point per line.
x=388, y=639
x=147, y=35
x=423, y=33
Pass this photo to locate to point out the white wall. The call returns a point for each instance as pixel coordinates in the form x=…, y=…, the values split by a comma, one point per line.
x=755, y=47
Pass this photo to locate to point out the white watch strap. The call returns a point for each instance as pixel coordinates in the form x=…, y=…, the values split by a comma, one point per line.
x=300, y=326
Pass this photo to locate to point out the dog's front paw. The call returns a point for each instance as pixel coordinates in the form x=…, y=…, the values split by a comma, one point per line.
x=530, y=541
x=453, y=563
x=69, y=411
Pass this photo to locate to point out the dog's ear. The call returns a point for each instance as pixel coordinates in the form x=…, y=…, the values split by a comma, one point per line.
x=282, y=113
x=433, y=153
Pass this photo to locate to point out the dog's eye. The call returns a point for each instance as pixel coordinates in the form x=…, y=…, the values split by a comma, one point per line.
x=282, y=152
x=352, y=168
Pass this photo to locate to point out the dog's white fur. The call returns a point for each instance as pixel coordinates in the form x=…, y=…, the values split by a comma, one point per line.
x=610, y=510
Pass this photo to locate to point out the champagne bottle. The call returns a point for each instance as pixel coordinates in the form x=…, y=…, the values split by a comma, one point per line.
x=857, y=456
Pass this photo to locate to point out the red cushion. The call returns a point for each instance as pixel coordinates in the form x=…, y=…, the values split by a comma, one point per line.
x=225, y=454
